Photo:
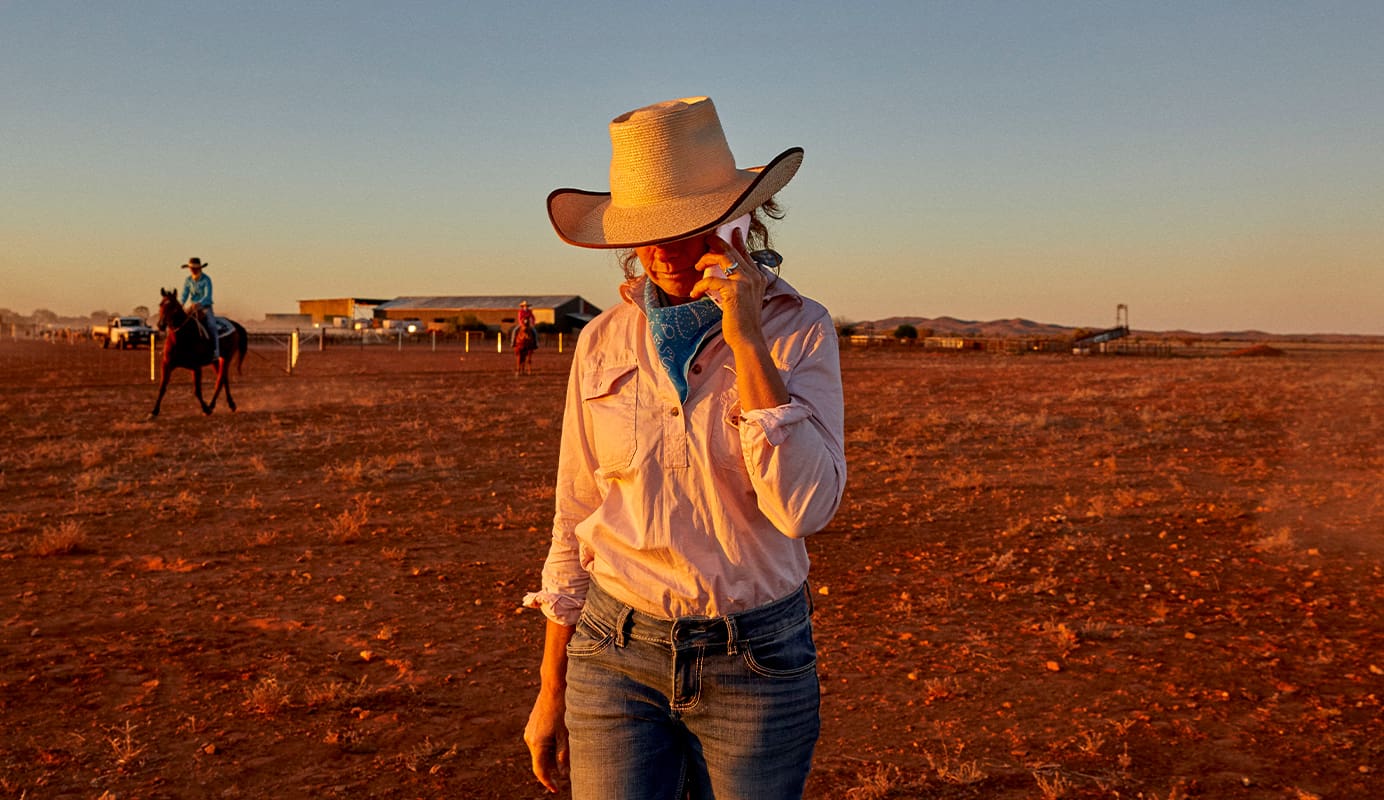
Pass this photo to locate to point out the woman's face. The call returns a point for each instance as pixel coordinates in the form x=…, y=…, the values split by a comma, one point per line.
x=674, y=266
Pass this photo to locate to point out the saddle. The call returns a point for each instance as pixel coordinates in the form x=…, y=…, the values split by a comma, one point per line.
x=223, y=326
x=205, y=349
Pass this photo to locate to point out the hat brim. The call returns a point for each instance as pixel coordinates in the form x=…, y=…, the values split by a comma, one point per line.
x=589, y=219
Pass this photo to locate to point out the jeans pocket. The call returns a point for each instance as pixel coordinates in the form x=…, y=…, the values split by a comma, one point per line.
x=789, y=653
x=590, y=638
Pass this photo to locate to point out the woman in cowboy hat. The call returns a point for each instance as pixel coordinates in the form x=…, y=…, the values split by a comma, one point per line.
x=196, y=297
x=702, y=441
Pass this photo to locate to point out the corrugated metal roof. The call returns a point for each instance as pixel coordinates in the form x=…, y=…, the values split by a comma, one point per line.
x=479, y=302
x=360, y=301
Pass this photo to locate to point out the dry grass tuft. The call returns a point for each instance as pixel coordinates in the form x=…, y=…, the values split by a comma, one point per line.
x=961, y=773
x=91, y=478
x=64, y=538
x=375, y=469
x=267, y=697
x=263, y=538
x=1052, y=787
x=957, y=478
x=950, y=769
x=127, y=752
x=425, y=757
x=348, y=525
x=184, y=504
x=1280, y=541
x=1065, y=639
x=92, y=454
x=943, y=688
x=876, y=784
x=333, y=693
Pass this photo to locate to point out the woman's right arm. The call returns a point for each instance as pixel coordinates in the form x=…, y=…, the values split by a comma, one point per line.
x=546, y=732
x=564, y=589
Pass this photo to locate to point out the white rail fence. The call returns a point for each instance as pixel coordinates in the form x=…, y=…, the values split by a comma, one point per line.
x=283, y=349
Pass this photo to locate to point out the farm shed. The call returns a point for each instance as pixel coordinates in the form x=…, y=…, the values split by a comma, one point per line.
x=328, y=309
x=563, y=312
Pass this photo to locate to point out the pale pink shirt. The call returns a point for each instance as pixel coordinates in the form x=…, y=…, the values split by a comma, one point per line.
x=693, y=509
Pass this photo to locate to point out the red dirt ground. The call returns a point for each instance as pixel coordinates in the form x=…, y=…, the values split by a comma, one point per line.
x=1051, y=577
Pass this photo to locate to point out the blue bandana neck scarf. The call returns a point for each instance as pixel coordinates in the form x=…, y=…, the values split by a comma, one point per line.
x=678, y=331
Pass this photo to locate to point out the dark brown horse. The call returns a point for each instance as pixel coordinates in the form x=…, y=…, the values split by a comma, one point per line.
x=525, y=342
x=188, y=346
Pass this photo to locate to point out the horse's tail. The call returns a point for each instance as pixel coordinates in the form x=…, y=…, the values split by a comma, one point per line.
x=242, y=346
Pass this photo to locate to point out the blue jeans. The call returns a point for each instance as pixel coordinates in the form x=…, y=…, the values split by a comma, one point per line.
x=695, y=707
x=214, y=331
x=208, y=323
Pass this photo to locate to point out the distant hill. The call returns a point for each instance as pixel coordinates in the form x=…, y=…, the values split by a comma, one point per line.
x=995, y=329
x=1027, y=328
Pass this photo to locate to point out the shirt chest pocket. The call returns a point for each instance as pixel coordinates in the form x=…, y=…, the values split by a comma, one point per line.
x=610, y=401
x=724, y=434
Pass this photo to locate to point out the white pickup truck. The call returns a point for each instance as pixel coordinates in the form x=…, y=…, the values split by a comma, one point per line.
x=123, y=332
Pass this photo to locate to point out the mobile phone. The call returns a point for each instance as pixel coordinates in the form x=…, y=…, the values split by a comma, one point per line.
x=725, y=231
x=726, y=234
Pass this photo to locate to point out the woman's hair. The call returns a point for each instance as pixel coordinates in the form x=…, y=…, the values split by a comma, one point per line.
x=756, y=239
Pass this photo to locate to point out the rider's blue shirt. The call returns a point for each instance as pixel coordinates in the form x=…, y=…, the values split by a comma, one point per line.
x=198, y=290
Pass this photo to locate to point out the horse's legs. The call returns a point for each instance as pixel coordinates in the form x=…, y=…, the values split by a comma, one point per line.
x=163, y=387
x=223, y=381
x=197, y=389
x=218, y=364
x=233, y=344
x=226, y=381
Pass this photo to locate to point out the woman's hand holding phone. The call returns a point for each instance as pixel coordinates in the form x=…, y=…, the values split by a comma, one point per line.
x=716, y=270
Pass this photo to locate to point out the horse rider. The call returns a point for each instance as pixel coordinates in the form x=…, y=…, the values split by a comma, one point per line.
x=196, y=298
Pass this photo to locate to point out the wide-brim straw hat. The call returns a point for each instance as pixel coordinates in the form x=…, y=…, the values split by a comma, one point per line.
x=672, y=176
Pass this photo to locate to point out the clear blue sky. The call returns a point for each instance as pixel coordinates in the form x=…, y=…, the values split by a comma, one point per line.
x=1215, y=166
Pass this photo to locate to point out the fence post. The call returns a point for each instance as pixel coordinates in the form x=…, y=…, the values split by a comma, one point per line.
x=559, y=341
x=467, y=339
x=499, y=341
x=434, y=333
x=153, y=349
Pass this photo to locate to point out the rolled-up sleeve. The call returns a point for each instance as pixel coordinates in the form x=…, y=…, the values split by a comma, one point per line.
x=795, y=453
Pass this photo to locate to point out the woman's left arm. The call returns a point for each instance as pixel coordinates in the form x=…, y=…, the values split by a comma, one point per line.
x=792, y=432
x=795, y=451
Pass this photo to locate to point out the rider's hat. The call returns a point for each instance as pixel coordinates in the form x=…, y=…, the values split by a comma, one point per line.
x=195, y=262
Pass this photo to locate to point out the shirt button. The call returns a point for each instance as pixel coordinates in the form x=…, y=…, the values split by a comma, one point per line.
x=673, y=412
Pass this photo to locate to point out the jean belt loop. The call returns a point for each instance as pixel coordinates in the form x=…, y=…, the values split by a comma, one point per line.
x=622, y=625
x=731, y=635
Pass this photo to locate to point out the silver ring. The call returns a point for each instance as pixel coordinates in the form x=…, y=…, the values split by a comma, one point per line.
x=734, y=265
